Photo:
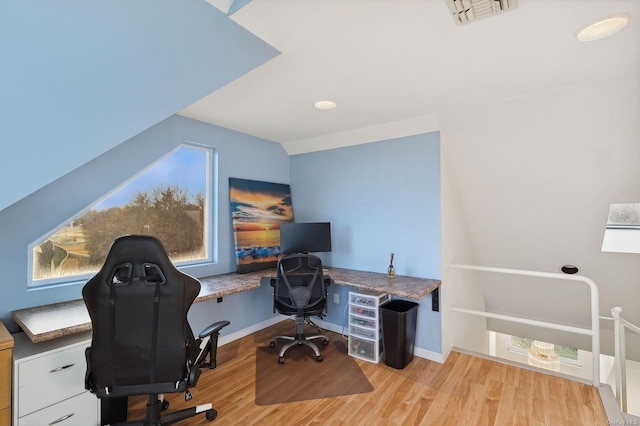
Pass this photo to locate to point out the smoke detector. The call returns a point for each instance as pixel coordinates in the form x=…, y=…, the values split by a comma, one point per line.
x=467, y=11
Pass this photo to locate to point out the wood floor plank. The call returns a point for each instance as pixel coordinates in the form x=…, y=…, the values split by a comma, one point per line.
x=465, y=390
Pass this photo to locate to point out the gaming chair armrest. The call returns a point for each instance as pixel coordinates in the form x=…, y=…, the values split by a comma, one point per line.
x=89, y=380
x=213, y=328
x=210, y=336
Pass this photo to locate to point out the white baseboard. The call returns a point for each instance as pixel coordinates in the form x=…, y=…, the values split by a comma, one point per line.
x=433, y=356
x=419, y=352
x=228, y=338
x=328, y=326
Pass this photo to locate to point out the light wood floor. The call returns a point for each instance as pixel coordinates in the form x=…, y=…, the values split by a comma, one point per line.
x=465, y=390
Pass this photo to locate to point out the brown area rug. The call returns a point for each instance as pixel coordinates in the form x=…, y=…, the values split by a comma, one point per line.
x=302, y=378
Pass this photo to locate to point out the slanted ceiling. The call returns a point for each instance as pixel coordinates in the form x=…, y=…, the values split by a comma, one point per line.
x=101, y=72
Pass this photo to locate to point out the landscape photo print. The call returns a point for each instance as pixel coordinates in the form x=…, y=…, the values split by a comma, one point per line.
x=257, y=210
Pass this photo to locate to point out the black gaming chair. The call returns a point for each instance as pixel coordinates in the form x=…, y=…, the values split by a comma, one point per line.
x=142, y=343
x=300, y=289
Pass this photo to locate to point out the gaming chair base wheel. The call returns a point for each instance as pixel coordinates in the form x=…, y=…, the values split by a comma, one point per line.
x=281, y=360
x=272, y=344
x=211, y=414
x=319, y=358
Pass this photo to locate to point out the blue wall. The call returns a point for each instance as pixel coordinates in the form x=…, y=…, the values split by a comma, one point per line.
x=103, y=72
x=380, y=198
x=80, y=77
x=32, y=217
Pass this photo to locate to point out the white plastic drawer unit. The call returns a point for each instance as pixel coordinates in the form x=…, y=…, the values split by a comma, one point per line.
x=364, y=325
x=48, y=383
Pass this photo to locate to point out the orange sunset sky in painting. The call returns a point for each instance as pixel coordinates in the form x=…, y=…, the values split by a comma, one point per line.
x=258, y=206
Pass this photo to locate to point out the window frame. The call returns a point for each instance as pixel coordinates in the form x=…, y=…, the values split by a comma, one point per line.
x=209, y=223
x=579, y=362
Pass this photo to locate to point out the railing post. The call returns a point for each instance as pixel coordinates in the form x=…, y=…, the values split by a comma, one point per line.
x=620, y=355
x=595, y=329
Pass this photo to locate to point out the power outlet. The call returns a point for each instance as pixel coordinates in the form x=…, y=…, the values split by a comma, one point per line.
x=336, y=298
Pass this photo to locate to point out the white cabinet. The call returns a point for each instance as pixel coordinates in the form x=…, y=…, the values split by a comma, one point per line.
x=48, y=383
x=365, y=334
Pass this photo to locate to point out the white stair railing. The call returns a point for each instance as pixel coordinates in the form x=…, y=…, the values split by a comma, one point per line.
x=594, y=331
x=619, y=327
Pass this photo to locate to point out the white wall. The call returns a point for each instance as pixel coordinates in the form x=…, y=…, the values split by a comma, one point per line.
x=456, y=248
x=529, y=183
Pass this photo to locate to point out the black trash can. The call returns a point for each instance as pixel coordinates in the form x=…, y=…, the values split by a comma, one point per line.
x=399, y=318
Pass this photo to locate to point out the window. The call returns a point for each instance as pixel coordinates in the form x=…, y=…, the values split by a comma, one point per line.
x=622, y=234
x=567, y=355
x=169, y=199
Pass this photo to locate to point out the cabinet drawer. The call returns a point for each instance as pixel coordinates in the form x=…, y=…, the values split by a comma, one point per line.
x=50, y=378
x=81, y=410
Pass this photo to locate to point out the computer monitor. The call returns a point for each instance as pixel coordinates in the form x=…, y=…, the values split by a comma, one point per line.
x=305, y=237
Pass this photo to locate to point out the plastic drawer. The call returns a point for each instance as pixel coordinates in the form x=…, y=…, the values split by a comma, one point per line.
x=363, y=349
x=363, y=322
x=365, y=333
x=364, y=312
x=372, y=301
x=363, y=300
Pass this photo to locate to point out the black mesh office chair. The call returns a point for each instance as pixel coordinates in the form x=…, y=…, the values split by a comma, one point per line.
x=142, y=343
x=300, y=289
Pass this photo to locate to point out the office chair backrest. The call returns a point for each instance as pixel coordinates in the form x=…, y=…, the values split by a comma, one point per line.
x=300, y=282
x=138, y=305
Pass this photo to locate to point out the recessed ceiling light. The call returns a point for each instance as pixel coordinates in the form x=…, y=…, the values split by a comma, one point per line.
x=602, y=28
x=325, y=105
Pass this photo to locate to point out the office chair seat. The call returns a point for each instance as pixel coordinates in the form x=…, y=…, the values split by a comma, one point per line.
x=300, y=290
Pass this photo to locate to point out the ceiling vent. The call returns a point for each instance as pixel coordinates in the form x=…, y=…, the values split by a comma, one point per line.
x=466, y=11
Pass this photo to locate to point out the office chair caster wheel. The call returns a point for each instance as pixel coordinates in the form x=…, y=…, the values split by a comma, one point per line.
x=319, y=358
x=325, y=343
x=272, y=344
x=164, y=405
x=281, y=360
x=211, y=414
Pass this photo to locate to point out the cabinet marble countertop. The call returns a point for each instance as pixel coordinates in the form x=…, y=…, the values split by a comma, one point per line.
x=48, y=322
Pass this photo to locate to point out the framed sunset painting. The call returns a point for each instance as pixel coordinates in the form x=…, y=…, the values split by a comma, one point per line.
x=257, y=210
